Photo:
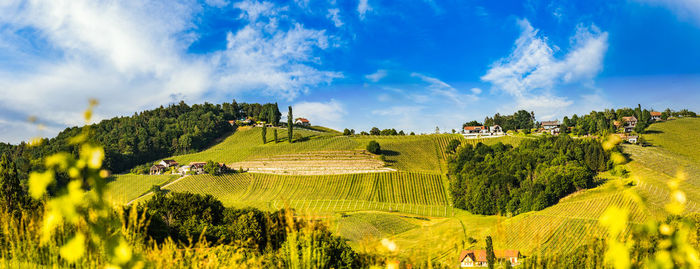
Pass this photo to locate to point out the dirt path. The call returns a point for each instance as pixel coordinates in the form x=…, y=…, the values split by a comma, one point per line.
x=148, y=193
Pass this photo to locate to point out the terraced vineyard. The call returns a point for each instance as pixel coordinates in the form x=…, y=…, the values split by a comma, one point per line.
x=124, y=188
x=654, y=167
x=680, y=136
x=396, y=191
x=372, y=226
x=316, y=163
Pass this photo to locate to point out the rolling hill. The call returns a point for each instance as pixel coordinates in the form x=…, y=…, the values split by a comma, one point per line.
x=411, y=205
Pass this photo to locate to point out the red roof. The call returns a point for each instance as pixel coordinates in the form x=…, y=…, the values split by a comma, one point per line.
x=480, y=255
x=632, y=118
x=304, y=120
x=473, y=128
x=655, y=114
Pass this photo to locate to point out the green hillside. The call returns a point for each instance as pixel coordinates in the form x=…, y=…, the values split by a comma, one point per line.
x=124, y=188
x=414, y=193
x=411, y=207
x=421, y=153
x=680, y=136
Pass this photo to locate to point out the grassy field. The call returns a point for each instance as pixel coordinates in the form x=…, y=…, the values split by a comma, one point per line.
x=124, y=188
x=681, y=136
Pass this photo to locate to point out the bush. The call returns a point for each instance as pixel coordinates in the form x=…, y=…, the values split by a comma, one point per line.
x=373, y=147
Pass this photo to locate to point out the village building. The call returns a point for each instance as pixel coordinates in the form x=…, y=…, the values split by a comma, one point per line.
x=655, y=115
x=629, y=123
x=475, y=130
x=168, y=163
x=551, y=126
x=157, y=169
x=197, y=167
x=302, y=122
x=184, y=169
x=232, y=122
x=496, y=129
x=632, y=139
x=477, y=258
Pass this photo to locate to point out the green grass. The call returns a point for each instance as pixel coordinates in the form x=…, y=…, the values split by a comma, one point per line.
x=680, y=136
x=124, y=188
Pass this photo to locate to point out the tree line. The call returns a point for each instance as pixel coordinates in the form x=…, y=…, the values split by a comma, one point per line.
x=148, y=135
x=502, y=179
x=604, y=122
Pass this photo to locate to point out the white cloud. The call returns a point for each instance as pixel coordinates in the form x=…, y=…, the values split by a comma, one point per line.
x=377, y=76
x=402, y=117
x=334, y=15
x=217, y=3
x=329, y=114
x=684, y=9
x=132, y=55
x=531, y=71
x=440, y=88
x=362, y=8
x=476, y=91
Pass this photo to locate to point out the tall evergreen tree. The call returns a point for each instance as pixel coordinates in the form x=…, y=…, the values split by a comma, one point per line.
x=264, y=133
x=274, y=132
x=11, y=196
x=490, y=255
x=290, y=125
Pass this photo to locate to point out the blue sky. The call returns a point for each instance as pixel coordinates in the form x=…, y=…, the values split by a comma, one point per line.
x=410, y=65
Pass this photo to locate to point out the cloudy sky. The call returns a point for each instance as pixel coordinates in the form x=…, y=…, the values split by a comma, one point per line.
x=409, y=65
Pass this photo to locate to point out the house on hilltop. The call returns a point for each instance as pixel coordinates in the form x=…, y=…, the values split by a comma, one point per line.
x=496, y=129
x=168, y=163
x=655, y=115
x=477, y=258
x=475, y=130
x=551, y=126
x=157, y=169
x=197, y=167
x=302, y=122
x=629, y=123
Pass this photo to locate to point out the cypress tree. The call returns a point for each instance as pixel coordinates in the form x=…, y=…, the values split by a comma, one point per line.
x=264, y=133
x=490, y=256
x=290, y=127
x=275, y=135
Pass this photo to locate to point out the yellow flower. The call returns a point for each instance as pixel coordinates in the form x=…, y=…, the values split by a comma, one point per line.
x=38, y=183
x=74, y=249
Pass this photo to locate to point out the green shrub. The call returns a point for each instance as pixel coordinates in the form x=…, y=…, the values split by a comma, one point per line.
x=373, y=147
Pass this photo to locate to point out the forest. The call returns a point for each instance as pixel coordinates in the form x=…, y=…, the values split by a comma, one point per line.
x=149, y=135
x=501, y=179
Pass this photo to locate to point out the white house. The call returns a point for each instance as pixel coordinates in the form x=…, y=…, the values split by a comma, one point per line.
x=302, y=122
x=184, y=169
x=496, y=129
x=168, y=163
x=655, y=115
x=551, y=126
x=632, y=139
